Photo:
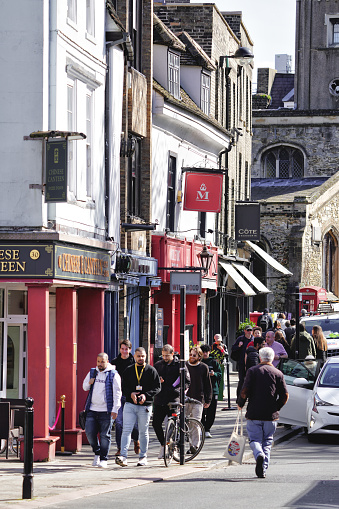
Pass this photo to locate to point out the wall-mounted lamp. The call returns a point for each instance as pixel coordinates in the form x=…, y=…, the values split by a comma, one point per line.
x=243, y=56
x=206, y=259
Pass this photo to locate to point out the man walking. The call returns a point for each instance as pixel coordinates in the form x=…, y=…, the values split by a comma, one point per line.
x=208, y=415
x=200, y=389
x=265, y=321
x=279, y=350
x=168, y=369
x=266, y=391
x=238, y=354
x=124, y=359
x=102, y=405
x=140, y=383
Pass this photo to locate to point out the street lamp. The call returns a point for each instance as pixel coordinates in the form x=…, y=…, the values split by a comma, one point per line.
x=243, y=56
x=206, y=259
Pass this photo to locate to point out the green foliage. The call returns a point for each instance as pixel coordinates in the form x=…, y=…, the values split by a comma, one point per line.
x=242, y=326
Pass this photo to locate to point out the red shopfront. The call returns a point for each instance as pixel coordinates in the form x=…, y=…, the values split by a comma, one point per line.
x=173, y=254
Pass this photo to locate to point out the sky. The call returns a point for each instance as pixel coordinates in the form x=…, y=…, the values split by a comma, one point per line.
x=271, y=26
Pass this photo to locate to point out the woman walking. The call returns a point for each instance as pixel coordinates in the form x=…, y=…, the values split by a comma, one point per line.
x=320, y=342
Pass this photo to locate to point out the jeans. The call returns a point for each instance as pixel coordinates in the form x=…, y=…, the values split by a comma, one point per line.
x=208, y=415
x=194, y=410
x=99, y=423
x=260, y=435
x=159, y=415
x=132, y=414
x=119, y=425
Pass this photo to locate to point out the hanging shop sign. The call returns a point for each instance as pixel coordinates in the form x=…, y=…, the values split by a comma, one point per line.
x=192, y=281
x=247, y=221
x=203, y=192
x=56, y=171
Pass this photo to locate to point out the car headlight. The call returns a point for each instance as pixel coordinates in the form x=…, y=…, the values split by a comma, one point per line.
x=319, y=402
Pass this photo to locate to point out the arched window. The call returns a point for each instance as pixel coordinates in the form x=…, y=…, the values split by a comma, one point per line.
x=330, y=262
x=283, y=162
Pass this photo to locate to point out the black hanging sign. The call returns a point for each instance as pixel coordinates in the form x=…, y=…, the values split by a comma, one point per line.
x=56, y=171
x=247, y=220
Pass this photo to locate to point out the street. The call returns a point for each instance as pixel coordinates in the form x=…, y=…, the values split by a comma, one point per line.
x=301, y=475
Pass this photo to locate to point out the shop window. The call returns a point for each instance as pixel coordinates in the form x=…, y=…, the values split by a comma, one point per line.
x=170, y=212
x=17, y=302
x=174, y=74
x=283, y=162
x=1, y=355
x=2, y=303
x=330, y=262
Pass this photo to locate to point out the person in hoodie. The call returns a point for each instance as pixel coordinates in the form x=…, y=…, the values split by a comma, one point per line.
x=124, y=359
x=102, y=405
x=252, y=352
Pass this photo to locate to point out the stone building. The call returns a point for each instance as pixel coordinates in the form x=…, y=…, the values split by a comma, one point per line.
x=295, y=158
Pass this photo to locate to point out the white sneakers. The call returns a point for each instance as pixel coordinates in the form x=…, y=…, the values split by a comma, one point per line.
x=103, y=464
x=96, y=461
x=161, y=452
x=142, y=462
x=120, y=460
x=208, y=434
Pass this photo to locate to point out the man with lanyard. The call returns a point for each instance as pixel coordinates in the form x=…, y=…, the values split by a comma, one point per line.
x=140, y=383
x=102, y=405
x=124, y=359
x=168, y=369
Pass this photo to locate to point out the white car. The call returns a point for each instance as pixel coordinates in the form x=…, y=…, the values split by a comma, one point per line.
x=330, y=326
x=313, y=396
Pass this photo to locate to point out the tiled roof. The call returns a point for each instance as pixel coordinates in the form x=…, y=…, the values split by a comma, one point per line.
x=197, y=54
x=163, y=35
x=284, y=190
x=113, y=14
x=282, y=85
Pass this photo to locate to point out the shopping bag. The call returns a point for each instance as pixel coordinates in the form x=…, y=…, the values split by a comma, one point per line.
x=236, y=445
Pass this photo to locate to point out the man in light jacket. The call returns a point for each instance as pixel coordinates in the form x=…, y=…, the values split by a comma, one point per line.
x=102, y=405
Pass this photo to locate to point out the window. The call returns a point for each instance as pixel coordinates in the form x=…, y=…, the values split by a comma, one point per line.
x=90, y=17
x=72, y=10
x=332, y=23
x=174, y=74
x=71, y=126
x=170, y=210
x=330, y=262
x=135, y=30
x=134, y=178
x=205, y=93
x=89, y=124
x=283, y=162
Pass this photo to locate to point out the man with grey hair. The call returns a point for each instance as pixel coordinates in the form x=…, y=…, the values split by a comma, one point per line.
x=266, y=391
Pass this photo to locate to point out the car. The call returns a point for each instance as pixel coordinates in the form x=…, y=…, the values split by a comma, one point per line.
x=330, y=326
x=313, y=395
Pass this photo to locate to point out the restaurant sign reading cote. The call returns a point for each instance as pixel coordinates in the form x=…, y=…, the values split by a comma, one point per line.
x=56, y=171
x=247, y=221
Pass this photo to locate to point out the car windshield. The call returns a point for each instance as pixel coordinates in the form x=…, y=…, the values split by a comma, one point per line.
x=330, y=326
x=330, y=376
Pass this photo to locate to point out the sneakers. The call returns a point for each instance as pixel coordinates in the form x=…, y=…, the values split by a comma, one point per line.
x=208, y=434
x=161, y=452
x=192, y=450
x=259, y=469
x=142, y=462
x=120, y=460
x=96, y=461
x=136, y=446
x=103, y=464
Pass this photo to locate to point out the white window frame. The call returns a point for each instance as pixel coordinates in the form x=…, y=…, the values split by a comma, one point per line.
x=72, y=126
x=72, y=11
x=90, y=18
x=330, y=21
x=89, y=144
x=205, y=93
x=174, y=74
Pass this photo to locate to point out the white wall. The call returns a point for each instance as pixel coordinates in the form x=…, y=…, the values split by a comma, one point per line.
x=160, y=65
x=190, y=80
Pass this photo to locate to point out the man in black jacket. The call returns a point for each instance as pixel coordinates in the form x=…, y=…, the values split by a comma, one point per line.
x=140, y=383
x=252, y=352
x=168, y=369
x=124, y=359
x=208, y=415
x=238, y=354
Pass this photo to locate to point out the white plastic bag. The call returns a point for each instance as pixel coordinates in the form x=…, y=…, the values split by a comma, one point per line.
x=236, y=445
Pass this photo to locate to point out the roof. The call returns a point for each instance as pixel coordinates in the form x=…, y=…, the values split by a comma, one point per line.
x=196, y=52
x=163, y=35
x=284, y=190
x=283, y=84
x=114, y=16
x=187, y=104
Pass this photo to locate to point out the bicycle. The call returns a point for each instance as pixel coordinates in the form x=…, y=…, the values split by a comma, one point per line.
x=194, y=431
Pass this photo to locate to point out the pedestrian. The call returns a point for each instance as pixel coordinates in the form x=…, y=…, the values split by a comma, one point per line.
x=200, y=390
x=282, y=320
x=319, y=342
x=265, y=321
x=279, y=350
x=306, y=344
x=140, y=383
x=102, y=405
x=219, y=350
x=208, y=415
x=256, y=333
x=266, y=391
x=238, y=354
x=124, y=359
x=168, y=369
x=289, y=330
x=252, y=352
x=280, y=338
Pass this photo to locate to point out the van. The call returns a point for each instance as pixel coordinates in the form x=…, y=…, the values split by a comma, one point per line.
x=330, y=326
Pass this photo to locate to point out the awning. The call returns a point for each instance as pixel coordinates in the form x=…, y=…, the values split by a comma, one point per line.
x=248, y=292
x=268, y=259
x=251, y=278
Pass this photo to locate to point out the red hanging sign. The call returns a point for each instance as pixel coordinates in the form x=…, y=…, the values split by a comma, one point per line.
x=203, y=192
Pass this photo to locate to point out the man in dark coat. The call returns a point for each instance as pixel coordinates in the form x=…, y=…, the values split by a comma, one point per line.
x=208, y=415
x=238, y=354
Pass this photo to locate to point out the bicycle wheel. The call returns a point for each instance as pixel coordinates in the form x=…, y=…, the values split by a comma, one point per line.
x=195, y=432
x=171, y=433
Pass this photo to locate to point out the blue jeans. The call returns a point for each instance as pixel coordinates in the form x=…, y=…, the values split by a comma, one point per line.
x=119, y=425
x=132, y=414
x=99, y=422
x=260, y=435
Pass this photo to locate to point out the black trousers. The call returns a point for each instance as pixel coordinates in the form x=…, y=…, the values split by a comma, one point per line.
x=208, y=415
x=159, y=414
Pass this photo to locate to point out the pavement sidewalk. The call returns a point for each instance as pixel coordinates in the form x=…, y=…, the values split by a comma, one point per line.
x=72, y=477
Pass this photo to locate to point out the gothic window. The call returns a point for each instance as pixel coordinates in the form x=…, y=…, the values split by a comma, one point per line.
x=283, y=162
x=330, y=262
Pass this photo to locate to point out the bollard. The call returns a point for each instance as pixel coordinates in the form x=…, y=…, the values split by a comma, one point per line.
x=27, y=485
x=63, y=397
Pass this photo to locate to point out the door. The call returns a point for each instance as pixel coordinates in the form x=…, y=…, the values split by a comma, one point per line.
x=16, y=361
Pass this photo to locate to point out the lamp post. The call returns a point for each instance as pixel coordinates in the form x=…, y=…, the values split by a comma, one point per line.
x=206, y=259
